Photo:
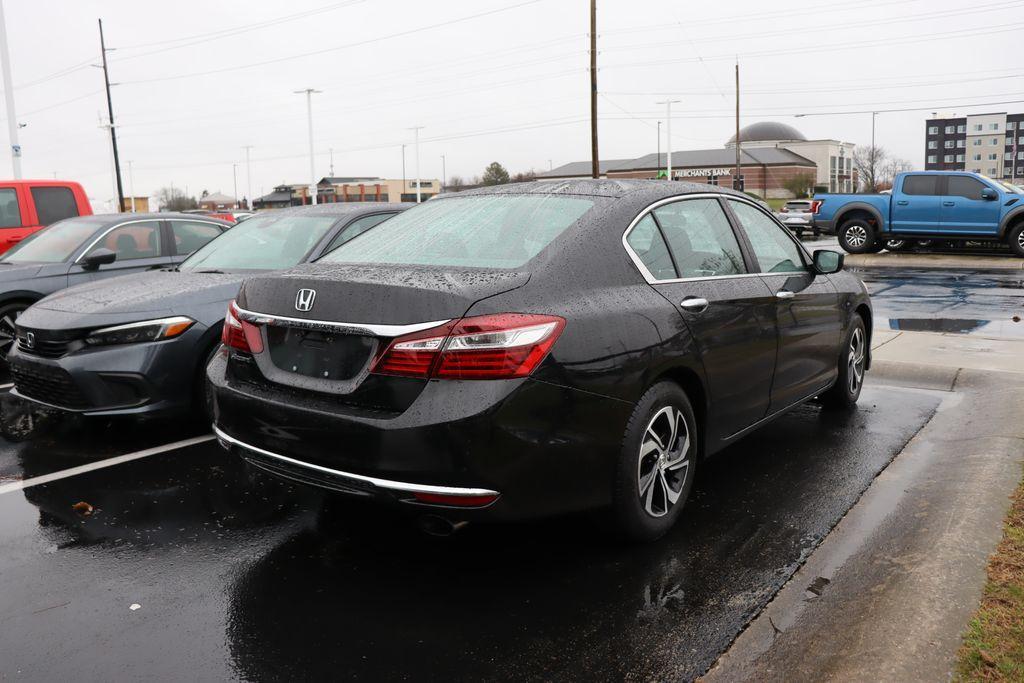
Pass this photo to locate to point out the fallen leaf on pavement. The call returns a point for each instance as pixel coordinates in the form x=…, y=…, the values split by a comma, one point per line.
x=82, y=508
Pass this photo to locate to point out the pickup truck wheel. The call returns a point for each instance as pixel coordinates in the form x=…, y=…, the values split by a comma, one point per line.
x=857, y=236
x=1017, y=239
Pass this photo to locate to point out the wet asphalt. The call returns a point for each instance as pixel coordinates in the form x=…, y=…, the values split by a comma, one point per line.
x=236, y=575
x=240, y=576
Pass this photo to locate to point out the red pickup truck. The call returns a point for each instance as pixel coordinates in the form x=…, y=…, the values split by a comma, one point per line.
x=30, y=205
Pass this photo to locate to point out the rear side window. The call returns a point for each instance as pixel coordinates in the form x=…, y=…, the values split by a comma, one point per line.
x=356, y=228
x=647, y=243
x=10, y=212
x=190, y=235
x=964, y=186
x=921, y=185
x=489, y=231
x=701, y=238
x=54, y=204
x=132, y=241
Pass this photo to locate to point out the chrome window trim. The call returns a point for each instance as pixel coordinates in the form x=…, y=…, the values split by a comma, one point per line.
x=638, y=262
x=106, y=232
x=380, y=483
x=372, y=330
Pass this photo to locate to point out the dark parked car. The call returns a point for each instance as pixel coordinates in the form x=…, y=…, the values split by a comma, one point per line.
x=539, y=348
x=90, y=248
x=137, y=345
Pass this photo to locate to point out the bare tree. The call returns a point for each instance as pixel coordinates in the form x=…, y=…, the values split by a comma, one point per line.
x=889, y=170
x=869, y=161
x=173, y=199
x=524, y=176
x=455, y=183
x=800, y=185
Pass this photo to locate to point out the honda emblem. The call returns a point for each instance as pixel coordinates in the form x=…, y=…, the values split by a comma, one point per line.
x=304, y=299
x=30, y=340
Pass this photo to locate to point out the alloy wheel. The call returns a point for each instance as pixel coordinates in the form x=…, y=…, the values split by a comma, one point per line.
x=664, y=461
x=8, y=333
x=855, y=361
x=856, y=236
x=1020, y=240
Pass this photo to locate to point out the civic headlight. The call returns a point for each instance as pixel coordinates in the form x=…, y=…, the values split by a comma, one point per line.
x=145, y=331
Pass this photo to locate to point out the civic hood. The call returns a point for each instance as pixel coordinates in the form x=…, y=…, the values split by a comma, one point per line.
x=130, y=298
x=369, y=294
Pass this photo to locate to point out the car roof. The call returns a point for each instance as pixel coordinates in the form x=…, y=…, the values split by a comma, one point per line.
x=339, y=209
x=637, y=189
x=105, y=219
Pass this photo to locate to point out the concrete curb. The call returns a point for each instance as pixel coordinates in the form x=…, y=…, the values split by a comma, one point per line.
x=934, y=261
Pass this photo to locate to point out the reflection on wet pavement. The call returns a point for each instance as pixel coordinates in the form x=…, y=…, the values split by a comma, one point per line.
x=242, y=576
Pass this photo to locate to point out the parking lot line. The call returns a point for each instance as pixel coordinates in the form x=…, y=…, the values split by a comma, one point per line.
x=100, y=464
x=7, y=386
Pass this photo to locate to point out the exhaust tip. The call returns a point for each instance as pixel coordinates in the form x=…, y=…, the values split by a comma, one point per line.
x=435, y=525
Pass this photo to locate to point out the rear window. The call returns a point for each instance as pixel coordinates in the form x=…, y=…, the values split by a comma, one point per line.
x=10, y=213
x=494, y=231
x=266, y=242
x=921, y=185
x=54, y=204
x=799, y=206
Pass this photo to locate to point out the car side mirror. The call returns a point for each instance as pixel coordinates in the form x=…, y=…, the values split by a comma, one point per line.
x=827, y=262
x=989, y=194
x=98, y=257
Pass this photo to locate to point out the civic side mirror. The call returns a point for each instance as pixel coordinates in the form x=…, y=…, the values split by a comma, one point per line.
x=989, y=194
x=827, y=262
x=98, y=257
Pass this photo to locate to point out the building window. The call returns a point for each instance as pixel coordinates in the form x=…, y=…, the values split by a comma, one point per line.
x=932, y=159
x=1020, y=156
x=977, y=126
x=1008, y=156
x=976, y=157
x=977, y=142
x=1020, y=140
x=993, y=126
x=961, y=143
x=1010, y=125
x=991, y=171
x=962, y=128
x=950, y=130
x=960, y=158
x=949, y=144
x=995, y=141
x=932, y=144
x=933, y=130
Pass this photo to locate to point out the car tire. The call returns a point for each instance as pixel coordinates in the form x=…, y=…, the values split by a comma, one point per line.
x=203, y=391
x=857, y=236
x=1016, y=239
x=8, y=316
x=852, y=361
x=656, y=465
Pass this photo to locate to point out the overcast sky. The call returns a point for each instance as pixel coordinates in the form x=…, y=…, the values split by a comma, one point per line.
x=490, y=80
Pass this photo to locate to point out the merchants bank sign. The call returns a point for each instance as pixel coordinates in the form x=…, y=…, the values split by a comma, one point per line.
x=700, y=172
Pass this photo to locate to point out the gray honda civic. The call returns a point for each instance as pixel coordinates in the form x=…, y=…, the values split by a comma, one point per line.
x=137, y=345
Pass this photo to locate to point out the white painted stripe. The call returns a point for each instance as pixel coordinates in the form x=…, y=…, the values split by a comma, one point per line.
x=100, y=464
x=7, y=386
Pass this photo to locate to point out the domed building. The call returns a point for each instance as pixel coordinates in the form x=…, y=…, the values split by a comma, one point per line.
x=772, y=154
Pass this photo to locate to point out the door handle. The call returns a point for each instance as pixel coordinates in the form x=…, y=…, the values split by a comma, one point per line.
x=903, y=202
x=949, y=203
x=784, y=294
x=694, y=304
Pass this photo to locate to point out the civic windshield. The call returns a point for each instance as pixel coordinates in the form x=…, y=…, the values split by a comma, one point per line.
x=54, y=244
x=493, y=231
x=270, y=242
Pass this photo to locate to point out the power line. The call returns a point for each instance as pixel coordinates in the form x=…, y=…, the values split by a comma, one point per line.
x=335, y=48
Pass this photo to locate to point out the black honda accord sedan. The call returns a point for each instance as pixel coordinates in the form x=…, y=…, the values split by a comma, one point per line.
x=137, y=345
x=538, y=348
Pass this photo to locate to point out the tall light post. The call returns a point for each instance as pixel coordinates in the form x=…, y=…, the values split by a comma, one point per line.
x=12, y=118
x=659, y=145
x=444, y=172
x=416, y=143
x=248, y=176
x=668, y=134
x=113, y=130
x=131, y=185
x=312, y=159
x=234, y=180
x=403, y=173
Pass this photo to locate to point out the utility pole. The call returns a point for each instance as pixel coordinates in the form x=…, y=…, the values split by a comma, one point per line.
x=12, y=118
x=595, y=164
x=110, y=116
x=668, y=134
x=444, y=172
x=874, y=158
x=234, y=180
x=131, y=185
x=312, y=160
x=403, y=174
x=736, y=179
x=416, y=158
x=659, y=146
x=248, y=176
x=331, y=150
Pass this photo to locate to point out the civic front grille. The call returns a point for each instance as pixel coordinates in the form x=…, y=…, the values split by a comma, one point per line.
x=47, y=384
x=41, y=347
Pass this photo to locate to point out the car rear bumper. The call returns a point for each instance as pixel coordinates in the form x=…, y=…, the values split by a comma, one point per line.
x=542, y=449
x=122, y=380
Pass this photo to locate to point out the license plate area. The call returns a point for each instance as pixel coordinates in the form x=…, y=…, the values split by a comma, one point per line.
x=320, y=355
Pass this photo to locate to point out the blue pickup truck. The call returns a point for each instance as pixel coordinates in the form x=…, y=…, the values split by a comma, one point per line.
x=925, y=207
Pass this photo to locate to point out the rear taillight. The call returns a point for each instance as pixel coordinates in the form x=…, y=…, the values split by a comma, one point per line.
x=501, y=346
x=816, y=205
x=784, y=210
x=239, y=334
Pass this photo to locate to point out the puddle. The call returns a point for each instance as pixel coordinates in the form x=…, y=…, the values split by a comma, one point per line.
x=991, y=328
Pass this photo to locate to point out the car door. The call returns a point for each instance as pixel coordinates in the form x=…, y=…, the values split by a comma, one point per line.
x=917, y=208
x=694, y=259
x=138, y=246
x=807, y=313
x=348, y=231
x=187, y=236
x=966, y=210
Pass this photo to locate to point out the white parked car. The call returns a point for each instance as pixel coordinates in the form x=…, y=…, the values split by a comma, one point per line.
x=798, y=215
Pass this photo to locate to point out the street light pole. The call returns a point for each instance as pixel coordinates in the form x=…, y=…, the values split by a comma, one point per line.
x=668, y=134
x=248, y=177
x=312, y=159
x=234, y=180
x=444, y=172
x=416, y=143
x=595, y=164
x=131, y=185
x=658, y=158
x=12, y=118
x=403, y=174
x=113, y=131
